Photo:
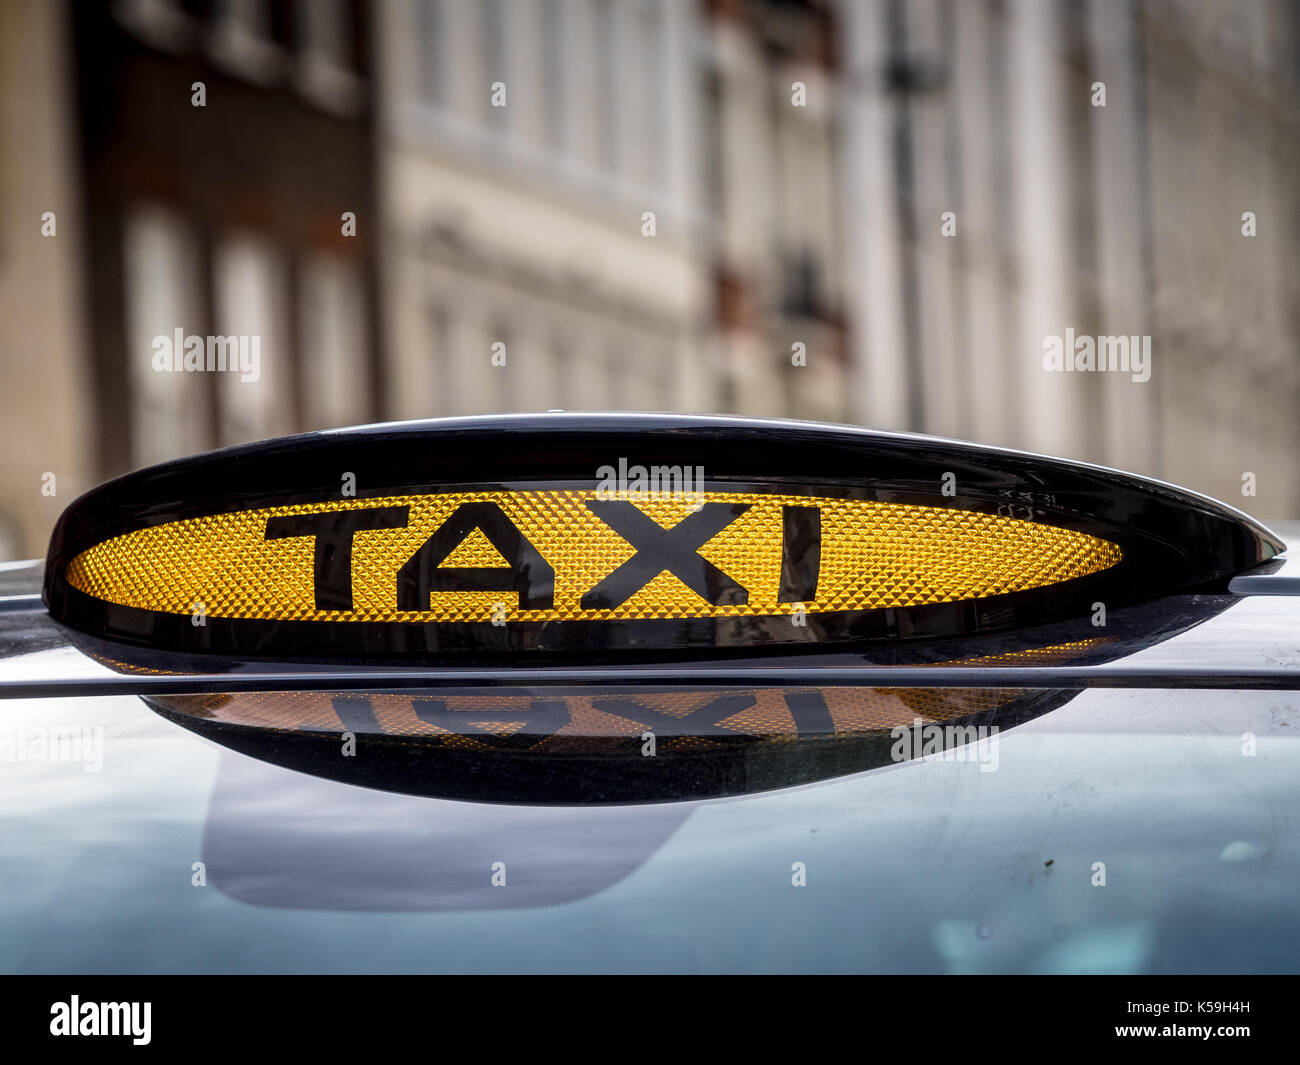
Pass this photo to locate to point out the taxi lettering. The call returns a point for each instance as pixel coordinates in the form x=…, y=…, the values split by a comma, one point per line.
x=527, y=573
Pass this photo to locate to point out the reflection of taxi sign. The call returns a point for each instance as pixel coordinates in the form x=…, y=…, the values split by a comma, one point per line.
x=603, y=747
x=784, y=542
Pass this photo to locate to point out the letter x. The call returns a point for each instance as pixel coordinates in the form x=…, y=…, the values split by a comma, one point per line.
x=658, y=549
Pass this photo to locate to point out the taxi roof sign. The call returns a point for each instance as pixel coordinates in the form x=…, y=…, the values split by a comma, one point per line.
x=611, y=533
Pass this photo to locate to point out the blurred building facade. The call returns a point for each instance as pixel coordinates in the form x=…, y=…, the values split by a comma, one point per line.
x=522, y=144
x=229, y=144
x=45, y=401
x=1099, y=159
x=863, y=210
x=200, y=161
x=617, y=199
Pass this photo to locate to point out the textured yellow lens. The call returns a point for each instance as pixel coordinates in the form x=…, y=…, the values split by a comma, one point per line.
x=873, y=555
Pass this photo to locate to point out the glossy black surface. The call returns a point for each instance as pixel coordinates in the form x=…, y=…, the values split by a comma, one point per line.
x=1173, y=540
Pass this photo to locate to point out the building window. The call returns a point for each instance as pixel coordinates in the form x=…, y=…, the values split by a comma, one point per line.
x=618, y=356
x=241, y=41
x=169, y=415
x=606, y=86
x=553, y=73
x=250, y=289
x=562, y=362
x=428, y=48
x=801, y=285
x=654, y=69
x=324, y=66
x=164, y=24
x=333, y=319
x=499, y=332
x=443, y=373
x=495, y=58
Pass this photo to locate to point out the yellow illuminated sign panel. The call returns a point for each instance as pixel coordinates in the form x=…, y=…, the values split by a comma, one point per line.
x=572, y=555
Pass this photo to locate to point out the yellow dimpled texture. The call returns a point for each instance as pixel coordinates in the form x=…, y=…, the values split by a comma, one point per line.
x=873, y=555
